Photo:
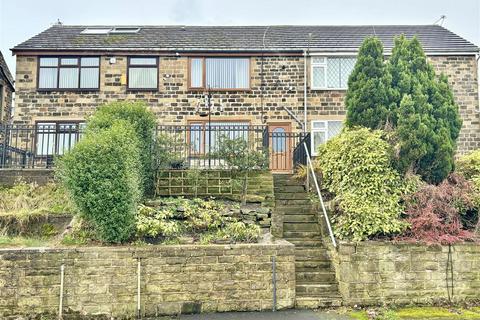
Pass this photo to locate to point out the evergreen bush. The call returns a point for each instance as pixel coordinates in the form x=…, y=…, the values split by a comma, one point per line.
x=102, y=175
x=143, y=123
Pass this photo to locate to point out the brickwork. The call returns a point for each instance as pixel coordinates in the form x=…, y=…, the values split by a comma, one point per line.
x=174, y=279
x=174, y=103
x=373, y=273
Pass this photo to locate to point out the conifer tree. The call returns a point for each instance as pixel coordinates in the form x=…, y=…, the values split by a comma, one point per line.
x=367, y=97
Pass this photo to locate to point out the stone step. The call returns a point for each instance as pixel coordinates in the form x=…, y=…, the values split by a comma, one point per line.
x=327, y=276
x=301, y=234
x=302, y=242
x=313, y=254
x=316, y=290
x=313, y=265
x=291, y=196
x=295, y=226
x=300, y=218
x=283, y=188
x=317, y=302
x=295, y=209
x=293, y=202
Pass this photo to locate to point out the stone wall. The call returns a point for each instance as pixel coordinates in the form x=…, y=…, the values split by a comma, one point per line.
x=8, y=177
x=174, y=279
x=6, y=101
x=175, y=103
x=373, y=273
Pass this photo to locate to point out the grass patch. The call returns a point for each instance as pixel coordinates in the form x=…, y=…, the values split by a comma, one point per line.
x=414, y=313
x=23, y=242
x=436, y=313
x=24, y=201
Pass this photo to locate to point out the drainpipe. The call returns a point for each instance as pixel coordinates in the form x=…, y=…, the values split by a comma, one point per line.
x=305, y=104
x=478, y=80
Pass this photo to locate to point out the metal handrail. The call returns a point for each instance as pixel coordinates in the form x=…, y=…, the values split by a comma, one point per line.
x=319, y=194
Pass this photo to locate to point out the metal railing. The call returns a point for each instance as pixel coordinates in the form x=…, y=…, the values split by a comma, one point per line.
x=302, y=157
x=195, y=145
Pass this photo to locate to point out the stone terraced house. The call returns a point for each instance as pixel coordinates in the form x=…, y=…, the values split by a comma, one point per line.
x=273, y=77
x=6, y=91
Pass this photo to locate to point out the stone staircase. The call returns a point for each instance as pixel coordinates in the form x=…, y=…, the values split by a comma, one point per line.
x=316, y=285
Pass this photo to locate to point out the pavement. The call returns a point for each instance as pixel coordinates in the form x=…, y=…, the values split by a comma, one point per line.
x=279, y=315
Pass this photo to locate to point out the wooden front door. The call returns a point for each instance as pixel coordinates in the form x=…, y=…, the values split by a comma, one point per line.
x=280, y=147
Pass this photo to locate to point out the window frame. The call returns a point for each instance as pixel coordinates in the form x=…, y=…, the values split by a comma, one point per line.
x=59, y=65
x=57, y=124
x=204, y=74
x=325, y=65
x=325, y=130
x=157, y=66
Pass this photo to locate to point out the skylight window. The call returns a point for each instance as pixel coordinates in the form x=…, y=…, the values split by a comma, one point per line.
x=96, y=30
x=125, y=30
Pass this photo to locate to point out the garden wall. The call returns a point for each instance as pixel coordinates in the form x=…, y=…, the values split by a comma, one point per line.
x=174, y=279
x=8, y=177
x=372, y=273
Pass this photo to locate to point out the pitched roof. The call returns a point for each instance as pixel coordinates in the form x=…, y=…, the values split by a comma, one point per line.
x=434, y=38
x=4, y=72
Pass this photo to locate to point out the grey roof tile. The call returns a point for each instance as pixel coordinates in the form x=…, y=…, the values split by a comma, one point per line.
x=434, y=38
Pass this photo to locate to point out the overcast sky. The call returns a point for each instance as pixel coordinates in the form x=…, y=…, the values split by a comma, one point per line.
x=19, y=20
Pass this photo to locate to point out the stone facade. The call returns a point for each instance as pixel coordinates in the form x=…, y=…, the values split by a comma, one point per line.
x=173, y=279
x=374, y=273
x=6, y=96
x=174, y=103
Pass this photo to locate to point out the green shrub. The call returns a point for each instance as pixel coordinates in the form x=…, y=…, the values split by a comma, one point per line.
x=101, y=173
x=469, y=165
x=356, y=167
x=143, y=122
x=233, y=232
x=240, y=157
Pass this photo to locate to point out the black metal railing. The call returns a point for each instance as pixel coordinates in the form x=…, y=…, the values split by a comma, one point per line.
x=188, y=146
x=197, y=145
x=30, y=146
x=299, y=153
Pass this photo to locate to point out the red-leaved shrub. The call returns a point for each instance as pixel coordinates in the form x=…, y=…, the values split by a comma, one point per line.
x=434, y=212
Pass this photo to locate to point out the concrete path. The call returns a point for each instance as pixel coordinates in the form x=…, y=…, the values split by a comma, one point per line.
x=279, y=315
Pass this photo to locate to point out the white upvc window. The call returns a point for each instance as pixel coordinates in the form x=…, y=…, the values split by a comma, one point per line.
x=56, y=138
x=331, y=73
x=322, y=131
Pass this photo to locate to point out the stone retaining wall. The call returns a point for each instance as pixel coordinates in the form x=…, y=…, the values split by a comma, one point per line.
x=8, y=177
x=373, y=273
x=174, y=279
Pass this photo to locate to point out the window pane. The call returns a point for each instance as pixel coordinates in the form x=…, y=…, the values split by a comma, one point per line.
x=69, y=61
x=334, y=128
x=333, y=73
x=90, y=62
x=48, y=62
x=45, y=139
x=318, y=139
x=89, y=78
x=279, y=140
x=227, y=73
x=318, y=60
x=47, y=78
x=346, y=68
x=318, y=77
x=196, y=135
x=196, y=76
x=67, y=137
x=142, y=78
x=143, y=61
x=318, y=124
x=221, y=130
x=68, y=78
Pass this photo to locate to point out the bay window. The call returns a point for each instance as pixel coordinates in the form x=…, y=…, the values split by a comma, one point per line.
x=143, y=73
x=331, y=72
x=322, y=131
x=55, y=138
x=67, y=73
x=220, y=73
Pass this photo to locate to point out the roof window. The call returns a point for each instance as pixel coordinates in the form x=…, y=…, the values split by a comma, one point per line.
x=96, y=30
x=125, y=30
